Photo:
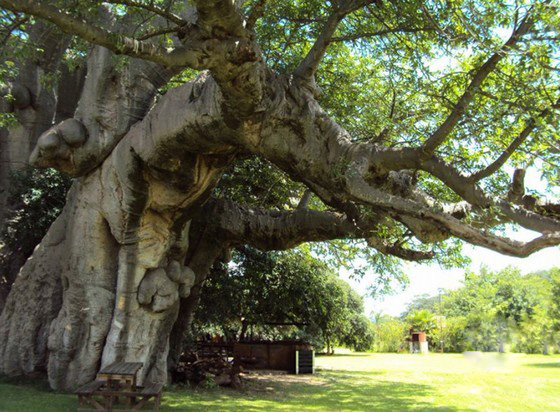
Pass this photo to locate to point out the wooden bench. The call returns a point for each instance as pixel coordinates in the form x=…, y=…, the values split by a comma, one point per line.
x=85, y=395
x=152, y=390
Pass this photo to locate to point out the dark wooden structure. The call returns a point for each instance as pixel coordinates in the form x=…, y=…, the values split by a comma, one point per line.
x=305, y=362
x=269, y=355
x=114, y=382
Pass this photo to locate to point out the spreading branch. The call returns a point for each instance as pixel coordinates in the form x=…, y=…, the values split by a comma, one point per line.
x=399, y=251
x=439, y=136
x=514, y=145
x=466, y=187
x=308, y=67
x=236, y=225
x=273, y=230
x=378, y=178
x=455, y=227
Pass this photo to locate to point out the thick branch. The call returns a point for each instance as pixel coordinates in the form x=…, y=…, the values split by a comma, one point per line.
x=365, y=193
x=220, y=16
x=76, y=146
x=234, y=224
x=307, y=68
x=469, y=190
x=274, y=230
x=118, y=43
x=465, y=187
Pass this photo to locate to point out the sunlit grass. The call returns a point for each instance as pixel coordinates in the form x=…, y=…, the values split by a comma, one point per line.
x=358, y=382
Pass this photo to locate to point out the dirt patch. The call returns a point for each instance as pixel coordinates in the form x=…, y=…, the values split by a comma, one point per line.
x=271, y=381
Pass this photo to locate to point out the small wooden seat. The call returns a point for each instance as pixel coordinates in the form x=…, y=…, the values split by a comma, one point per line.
x=152, y=389
x=89, y=388
x=85, y=395
x=149, y=391
x=108, y=390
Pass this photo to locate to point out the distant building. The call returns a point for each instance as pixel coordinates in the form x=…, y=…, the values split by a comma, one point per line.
x=418, y=342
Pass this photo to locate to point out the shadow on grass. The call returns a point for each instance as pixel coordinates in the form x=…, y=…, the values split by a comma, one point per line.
x=345, y=355
x=357, y=391
x=33, y=394
x=336, y=391
x=332, y=391
x=39, y=382
x=544, y=365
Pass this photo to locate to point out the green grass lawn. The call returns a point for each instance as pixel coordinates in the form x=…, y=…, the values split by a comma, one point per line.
x=357, y=382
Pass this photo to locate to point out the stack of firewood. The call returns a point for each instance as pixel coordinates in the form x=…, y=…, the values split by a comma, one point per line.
x=197, y=370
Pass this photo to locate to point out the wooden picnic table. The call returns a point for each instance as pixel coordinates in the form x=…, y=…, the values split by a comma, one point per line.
x=120, y=374
x=114, y=381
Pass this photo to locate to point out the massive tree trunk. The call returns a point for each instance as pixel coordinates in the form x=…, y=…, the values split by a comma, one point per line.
x=35, y=300
x=121, y=269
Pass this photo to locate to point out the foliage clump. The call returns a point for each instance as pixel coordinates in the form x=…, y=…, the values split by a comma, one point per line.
x=282, y=295
x=493, y=311
x=36, y=198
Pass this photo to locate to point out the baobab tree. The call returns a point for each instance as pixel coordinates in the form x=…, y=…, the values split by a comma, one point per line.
x=409, y=124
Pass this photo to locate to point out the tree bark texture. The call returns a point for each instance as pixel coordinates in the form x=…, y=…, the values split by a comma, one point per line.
x=129, y=221
x=118, y=275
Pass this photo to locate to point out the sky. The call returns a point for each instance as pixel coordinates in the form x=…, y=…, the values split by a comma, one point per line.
x=428, y=279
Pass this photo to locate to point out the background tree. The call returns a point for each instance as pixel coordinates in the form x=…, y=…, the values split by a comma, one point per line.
x=404, y=154
x=492, y=309
x=422, y=302
x=554, y=312
x=421, y=320
x=287, y=295
x=36, y=198
x=390, y=334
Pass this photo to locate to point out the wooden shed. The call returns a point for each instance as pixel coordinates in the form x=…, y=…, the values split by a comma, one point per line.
x=269, y=355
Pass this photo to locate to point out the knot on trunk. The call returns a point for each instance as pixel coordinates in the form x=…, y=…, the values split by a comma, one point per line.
x=55, y=148
x=161, y=287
